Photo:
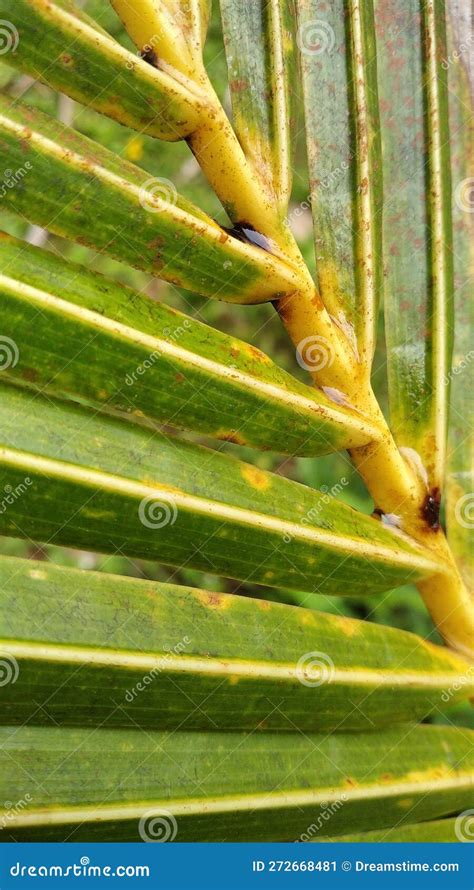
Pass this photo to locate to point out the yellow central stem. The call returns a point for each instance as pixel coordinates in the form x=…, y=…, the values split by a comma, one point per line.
x=393, y=484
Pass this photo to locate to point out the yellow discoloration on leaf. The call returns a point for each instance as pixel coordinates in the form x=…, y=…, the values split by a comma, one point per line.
x=38, y=575
x=348, y=626
x=134, y=149
x=97, y=514
x=441, y=771
x=256, y=478
x=406, y=803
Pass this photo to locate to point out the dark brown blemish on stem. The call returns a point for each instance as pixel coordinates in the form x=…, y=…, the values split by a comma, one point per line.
x=148, y=55
x=431, y=507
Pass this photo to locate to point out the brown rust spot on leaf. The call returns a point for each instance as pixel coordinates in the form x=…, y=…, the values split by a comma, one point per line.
x=237, y=86
x=231, y=436
x=350, y=782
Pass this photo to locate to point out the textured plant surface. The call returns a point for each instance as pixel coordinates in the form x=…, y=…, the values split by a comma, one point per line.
x=145, y=708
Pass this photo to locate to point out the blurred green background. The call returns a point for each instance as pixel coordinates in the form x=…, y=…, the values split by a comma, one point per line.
x=256, y=324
